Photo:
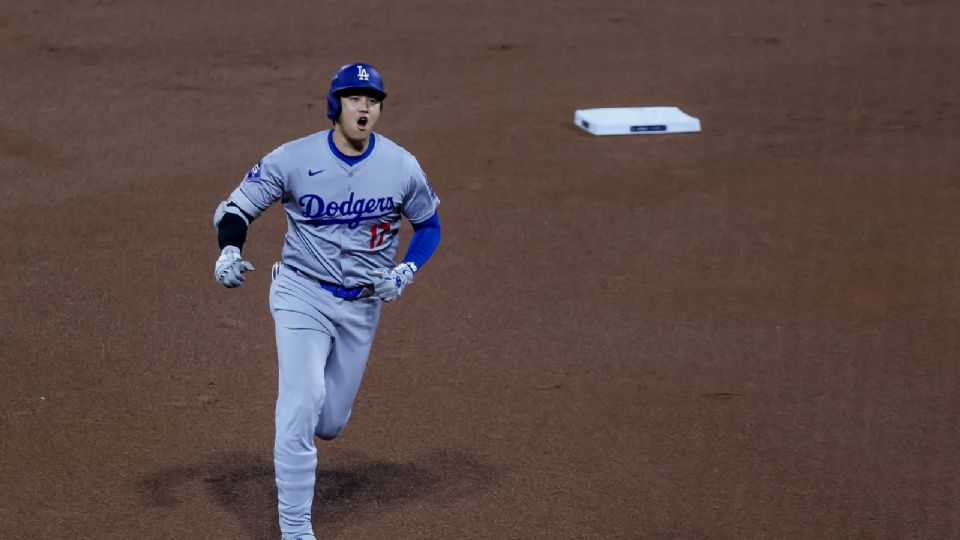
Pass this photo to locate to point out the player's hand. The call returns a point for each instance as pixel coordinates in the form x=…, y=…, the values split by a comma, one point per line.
x=389, y=283
x=230, y=267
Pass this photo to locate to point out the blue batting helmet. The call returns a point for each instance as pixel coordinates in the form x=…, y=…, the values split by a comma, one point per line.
x=353, y=76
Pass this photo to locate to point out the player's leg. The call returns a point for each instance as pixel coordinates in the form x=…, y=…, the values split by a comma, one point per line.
x=303, y=346
x=346, y=364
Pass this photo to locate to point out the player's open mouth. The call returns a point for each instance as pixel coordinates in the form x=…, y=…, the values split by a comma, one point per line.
x=362, y=122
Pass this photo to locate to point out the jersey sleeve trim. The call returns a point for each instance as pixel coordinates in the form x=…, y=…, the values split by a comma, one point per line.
x=432, y=221
x=245, y=203
x=424, y=221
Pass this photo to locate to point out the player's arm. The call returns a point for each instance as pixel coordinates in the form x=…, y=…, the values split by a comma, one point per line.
x=261, y=187
x=420, y=208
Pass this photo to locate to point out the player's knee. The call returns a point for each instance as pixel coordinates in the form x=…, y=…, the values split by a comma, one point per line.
x=328, y=435
x=329, y=428
x=328, y=431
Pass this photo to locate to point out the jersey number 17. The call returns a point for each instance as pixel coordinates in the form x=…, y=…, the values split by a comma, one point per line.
x=377, y=233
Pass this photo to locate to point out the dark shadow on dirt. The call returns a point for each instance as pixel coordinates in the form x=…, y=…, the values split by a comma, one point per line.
x=352, y=489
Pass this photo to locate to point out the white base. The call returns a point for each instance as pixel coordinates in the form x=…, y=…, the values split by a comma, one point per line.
x=636, y=121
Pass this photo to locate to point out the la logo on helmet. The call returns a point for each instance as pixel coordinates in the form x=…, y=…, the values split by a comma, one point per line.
x=362, y=74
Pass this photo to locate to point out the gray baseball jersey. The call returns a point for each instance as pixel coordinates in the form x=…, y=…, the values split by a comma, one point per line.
x=342, y=220
x=343, y=217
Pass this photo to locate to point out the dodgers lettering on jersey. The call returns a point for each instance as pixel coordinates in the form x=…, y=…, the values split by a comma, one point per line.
x=342, y=220
x=350, y=212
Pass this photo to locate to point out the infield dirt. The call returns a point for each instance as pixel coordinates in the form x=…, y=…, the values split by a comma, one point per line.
x=746, y=333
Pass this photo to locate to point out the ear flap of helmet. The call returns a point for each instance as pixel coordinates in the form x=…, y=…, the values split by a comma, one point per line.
x=333, y=106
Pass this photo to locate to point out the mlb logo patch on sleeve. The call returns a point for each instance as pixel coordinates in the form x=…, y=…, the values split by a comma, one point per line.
x=254, y=172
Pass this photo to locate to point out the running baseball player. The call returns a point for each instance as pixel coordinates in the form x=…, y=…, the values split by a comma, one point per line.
x=344, y=191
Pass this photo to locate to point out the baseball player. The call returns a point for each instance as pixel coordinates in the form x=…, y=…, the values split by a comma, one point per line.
x=344, y=191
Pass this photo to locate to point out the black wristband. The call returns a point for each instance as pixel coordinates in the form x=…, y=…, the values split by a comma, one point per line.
x=232, y=231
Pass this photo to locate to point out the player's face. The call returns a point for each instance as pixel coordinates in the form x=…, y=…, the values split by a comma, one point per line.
x=358, y=115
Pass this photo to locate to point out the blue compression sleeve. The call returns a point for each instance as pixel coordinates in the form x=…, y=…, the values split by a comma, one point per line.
x=426, y=238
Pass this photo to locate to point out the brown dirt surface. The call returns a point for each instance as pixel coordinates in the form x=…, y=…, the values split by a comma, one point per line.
x=746, y=333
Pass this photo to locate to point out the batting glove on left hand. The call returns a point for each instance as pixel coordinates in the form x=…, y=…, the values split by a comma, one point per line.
x=230, y=267
x=389, y=283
